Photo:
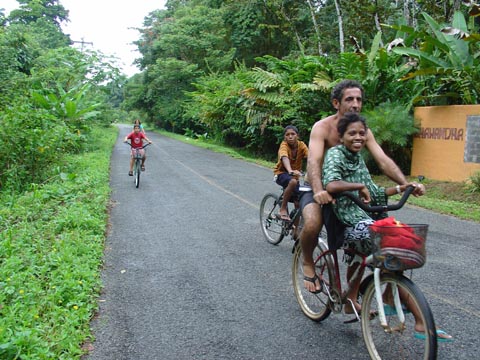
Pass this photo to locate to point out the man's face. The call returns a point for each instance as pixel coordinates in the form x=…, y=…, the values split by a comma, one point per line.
x=351, y=101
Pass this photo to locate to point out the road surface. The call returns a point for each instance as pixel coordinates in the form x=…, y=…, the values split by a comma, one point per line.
x=188, y=274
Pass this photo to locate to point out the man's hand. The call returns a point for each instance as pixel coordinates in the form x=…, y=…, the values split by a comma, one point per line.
x=419, y=189
x=322, y=197
x=365, y=195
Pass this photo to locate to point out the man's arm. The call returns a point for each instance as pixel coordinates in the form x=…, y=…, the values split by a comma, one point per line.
x=316, y=153
x=388, y=166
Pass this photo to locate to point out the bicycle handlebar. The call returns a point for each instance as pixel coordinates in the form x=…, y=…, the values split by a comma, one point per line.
x=143, y=147
x=378, y=208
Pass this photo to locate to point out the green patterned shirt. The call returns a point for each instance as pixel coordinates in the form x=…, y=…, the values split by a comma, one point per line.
x=342, y=164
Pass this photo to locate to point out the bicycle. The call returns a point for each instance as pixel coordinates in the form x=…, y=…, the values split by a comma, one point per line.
x=388, y=329
x=273, y=227
x=137, y=164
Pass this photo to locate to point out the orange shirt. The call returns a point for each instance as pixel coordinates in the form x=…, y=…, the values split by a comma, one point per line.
x=295, y=163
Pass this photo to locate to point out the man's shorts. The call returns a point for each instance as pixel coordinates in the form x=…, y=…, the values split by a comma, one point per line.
x=306, y=197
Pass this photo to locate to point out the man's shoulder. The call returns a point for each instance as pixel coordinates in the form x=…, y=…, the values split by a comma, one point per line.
x=325, y=123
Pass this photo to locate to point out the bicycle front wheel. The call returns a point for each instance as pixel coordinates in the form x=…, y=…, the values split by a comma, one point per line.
x=317, y=307
x=272, y=225
x=398, y=339
x=136, y=173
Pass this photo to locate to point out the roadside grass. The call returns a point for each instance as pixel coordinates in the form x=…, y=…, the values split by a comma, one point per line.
x=450, y=198
x=51, y=251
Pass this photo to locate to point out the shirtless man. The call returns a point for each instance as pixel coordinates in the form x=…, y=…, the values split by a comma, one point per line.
x=347, y=96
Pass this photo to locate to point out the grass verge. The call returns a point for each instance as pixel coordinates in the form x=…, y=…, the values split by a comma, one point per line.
x=51, y=249
x=449, y=198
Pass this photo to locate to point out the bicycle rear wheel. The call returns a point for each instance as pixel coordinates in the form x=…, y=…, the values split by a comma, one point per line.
x=136, y=173
x=272, y=226
x=398, y=340
x=314, y=306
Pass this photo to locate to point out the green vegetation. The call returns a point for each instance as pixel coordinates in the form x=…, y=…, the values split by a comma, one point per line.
x=51, y=250
x=256, y=66
x=50, y=93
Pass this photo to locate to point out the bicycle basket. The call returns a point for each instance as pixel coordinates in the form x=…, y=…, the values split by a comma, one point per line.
x=399, y=247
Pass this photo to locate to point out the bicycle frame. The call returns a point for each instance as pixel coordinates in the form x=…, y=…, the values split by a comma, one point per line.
x=391, y=304
x=363, y=262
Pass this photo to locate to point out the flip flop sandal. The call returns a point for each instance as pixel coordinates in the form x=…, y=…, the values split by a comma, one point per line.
x=391, y=311
x=373, y=315
x=421, y=336
x=313, y=280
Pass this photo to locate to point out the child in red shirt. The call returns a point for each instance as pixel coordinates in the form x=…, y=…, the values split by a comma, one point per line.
x=136, y=141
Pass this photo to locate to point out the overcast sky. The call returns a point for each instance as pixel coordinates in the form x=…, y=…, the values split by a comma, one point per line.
x=105, y=23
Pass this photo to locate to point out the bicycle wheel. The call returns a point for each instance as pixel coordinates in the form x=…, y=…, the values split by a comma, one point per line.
x=272, y=226
x=314, y=306
x=137, y=172
x=398, y=340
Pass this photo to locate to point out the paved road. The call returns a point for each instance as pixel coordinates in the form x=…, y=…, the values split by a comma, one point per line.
x=188, y=275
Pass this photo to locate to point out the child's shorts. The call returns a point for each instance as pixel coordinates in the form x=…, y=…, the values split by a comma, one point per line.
x=140, y=151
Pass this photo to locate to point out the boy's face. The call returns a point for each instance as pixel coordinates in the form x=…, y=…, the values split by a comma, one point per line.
x=291, y=136
x=136, y=128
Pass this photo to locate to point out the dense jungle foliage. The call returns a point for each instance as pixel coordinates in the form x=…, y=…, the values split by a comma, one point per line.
x=239, y=71
x=235, y=72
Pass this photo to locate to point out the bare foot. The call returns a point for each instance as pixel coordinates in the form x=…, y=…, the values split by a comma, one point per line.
x=348, y=309
x=284, y=215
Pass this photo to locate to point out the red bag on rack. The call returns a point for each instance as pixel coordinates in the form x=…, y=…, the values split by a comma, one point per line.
x=401, y=241
x=397, y=235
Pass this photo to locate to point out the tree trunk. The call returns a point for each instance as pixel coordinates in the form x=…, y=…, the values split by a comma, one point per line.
x=316, y=27
x=406, y=12
x=292, y=25
x=377, y=22
x=340, y=26
x=449, y=10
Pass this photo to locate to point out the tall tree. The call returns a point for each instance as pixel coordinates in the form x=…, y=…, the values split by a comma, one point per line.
x=42, y=18
x=31, y=11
